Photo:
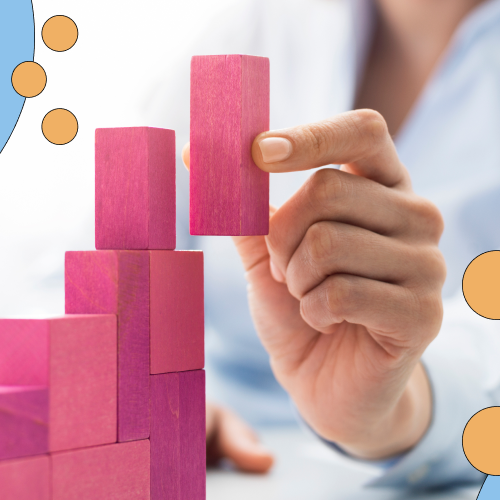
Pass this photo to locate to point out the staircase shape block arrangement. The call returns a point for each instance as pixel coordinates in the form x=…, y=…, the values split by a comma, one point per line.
x=119, y=471
x=135, y=188
x=177, y=311
x=77, y=392
x=229, y=194
x=67, y=399
x=25, y=479
x=117, y=282
x=178, y=435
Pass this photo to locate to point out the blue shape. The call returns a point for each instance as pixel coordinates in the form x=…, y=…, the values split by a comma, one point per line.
x=490, y=489
x=17, y=44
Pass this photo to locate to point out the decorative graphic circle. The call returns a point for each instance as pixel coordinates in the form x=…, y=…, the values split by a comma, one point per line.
x=481, y=441
x=481, y=285
x=60, y=33
x=59, y=126
x=17, y=42
x=29, y=79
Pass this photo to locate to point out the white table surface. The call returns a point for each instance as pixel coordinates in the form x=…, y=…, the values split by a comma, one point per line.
x=306, y=470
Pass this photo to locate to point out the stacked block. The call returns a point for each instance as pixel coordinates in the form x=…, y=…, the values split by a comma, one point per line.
x=117, y=282
x=73, y=403
x=229, y=194
x=109, y=400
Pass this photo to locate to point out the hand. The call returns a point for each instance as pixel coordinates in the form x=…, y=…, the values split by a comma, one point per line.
x=345, y=292
x=231, y=438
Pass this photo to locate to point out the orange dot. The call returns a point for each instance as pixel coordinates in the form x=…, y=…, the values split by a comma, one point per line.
x=59, y=126
x=60, y=33
x=481, y=285
x=481, y=441
x=29, y=79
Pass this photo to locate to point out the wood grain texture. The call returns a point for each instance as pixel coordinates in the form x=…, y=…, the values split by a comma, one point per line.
x=229, y=194
x=80, y=358
x=114, y=472
x=83, y=381
x=178, y=454
x=135, y=188
x=177, y=311
x=24, y=421
x=24, y=352
x=25, y=479
x=117, y=282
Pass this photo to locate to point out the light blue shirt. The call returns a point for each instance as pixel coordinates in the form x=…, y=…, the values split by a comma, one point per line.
x=450, y=144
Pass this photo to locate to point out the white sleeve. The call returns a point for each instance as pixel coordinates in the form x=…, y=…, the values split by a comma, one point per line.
x=464, y=372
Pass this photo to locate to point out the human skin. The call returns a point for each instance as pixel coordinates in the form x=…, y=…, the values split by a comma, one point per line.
x=345, y=290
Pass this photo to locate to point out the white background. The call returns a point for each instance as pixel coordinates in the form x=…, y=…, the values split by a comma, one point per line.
x=125, y=48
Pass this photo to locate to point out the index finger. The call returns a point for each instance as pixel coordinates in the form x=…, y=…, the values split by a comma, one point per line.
x=360, y=139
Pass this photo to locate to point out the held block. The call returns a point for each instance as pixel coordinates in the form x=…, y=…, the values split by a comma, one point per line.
x=117, y=282
x=229, y=194
x=24, y=419
x=135, y=188
x=178, y=443
x=25, y=479
x=79, y=370
x=113, y=472
x=177, y=311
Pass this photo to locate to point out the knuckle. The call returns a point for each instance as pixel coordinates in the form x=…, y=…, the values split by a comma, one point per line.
x=432, y=218
x=317, y=138
x=371, y=124
x=326, y=186
x=320, y=242
x=339, y=296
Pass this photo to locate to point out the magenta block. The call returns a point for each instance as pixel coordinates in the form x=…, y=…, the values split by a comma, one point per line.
x=79, y=374
x=24, y=421
x=177, y=311
x=114, y=472
x=135, y=188
x=83, y=381
x=117, y=282
x=24, y=352
x=178, y=436
x=229, y=194
x=25, y=479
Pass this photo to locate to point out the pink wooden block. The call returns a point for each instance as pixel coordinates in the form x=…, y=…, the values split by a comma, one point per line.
x=24, y=416
x=80, y=372
x=83, y=381
x=135, y=188
x=25, y=479
x=229, y=108
x=113, y=472
x=117, y=282
x=177, y=311
x=24, y=352
x=178, y=442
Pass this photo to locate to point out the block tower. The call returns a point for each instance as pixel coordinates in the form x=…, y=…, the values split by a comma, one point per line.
x=108, y=401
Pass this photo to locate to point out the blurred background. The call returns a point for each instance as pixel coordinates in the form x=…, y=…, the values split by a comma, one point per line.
x=124, y=49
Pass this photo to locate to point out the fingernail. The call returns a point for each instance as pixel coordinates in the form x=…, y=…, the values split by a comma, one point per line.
x=275, y=149
x=276, y=273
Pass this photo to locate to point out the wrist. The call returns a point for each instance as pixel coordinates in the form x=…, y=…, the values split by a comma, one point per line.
x=403, y=427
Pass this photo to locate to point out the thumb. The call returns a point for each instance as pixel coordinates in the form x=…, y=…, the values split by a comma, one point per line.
x=253, y=249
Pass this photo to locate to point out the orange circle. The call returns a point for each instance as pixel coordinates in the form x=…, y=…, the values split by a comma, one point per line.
x=29, y=79
x=481, y=441
x=59, y=126
x=481, y=285
x=60, y=33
